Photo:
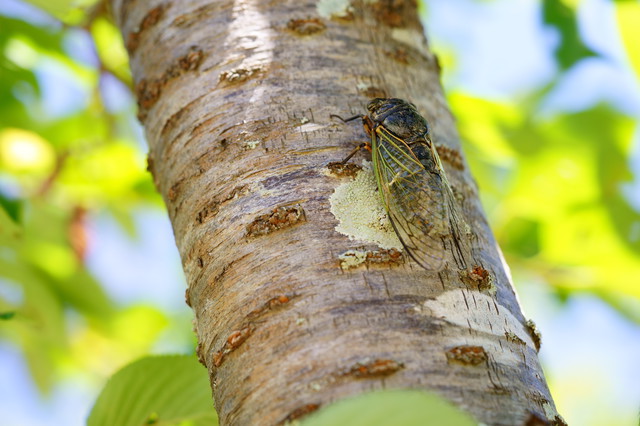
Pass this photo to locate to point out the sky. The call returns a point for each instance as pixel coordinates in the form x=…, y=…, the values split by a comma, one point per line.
x=581, y=339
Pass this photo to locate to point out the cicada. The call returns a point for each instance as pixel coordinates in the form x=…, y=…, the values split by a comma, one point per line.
x=413, y=185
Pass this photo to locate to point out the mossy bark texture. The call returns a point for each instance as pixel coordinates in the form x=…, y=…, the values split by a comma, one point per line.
x=236, y=98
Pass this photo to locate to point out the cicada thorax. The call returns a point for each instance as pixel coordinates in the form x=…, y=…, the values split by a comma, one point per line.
x=399, y=118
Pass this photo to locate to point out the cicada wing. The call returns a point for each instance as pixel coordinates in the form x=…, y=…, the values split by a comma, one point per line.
x=417, y=198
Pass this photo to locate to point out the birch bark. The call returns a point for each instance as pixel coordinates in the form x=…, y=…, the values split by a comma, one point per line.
x=290, y=314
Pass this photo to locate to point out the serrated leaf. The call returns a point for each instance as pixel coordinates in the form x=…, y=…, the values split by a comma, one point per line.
x=167, y=390
x=390, y=408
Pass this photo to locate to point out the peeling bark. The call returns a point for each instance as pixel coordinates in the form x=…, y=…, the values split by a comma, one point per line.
x=235, y=97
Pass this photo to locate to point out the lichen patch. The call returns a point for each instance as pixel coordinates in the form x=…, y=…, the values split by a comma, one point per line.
x=352, y=259
x=360, y=212
x=334, y=8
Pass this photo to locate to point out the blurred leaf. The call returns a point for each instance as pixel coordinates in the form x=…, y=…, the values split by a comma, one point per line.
x=138, y=326
x=610, y=134
x=41, y=310
x=78, y=131
x=125, y=219
x=484, y=121
x=167, y=390
x=7, y=315
x=10, y=233
x=39, y=328
x=68, y=11
x=389, y=408
x=45, y=37
x=104, y=172
x=46, y=246
x=571, y=49
x=12, y=208
x=15, y=78
x=521, y=235
x=110, y=47
x=99, y=346
x=628, y=15
x=554, y=191
x=85, y=294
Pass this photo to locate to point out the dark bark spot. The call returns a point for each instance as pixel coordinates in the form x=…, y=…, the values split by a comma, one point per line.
x=150, y=19
x=299, y=412
x=172, y=194
x=343, y=169
x=512, y=337
x=208, y=211
x=534, y=333
x=383, y=257
x=306, y=26
x=200, y=354
x=235, y=339
x=477, y=277
x=148, y=91
x=399, y=54
x=467, y=355
x=536, y=419
x=213, y=207
x=279, y=218
x=238, y=75
x=187, y=297
x=270, y=305
x=191, y=61
x=374, y=92
x=558, y=421
x=391, y=12
x=150, y=164
x=451, y=156
x=376, y=368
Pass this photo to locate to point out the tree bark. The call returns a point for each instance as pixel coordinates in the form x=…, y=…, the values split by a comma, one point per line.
x=236, y=98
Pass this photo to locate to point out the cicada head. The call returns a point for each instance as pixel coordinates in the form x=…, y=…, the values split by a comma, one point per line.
x=399, y=117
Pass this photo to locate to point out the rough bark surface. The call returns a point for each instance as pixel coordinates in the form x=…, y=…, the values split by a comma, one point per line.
x=235, y=97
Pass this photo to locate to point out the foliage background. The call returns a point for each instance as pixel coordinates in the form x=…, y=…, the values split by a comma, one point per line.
x=547, y=100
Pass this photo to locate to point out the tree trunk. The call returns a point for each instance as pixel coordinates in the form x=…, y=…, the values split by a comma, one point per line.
x=291, y=314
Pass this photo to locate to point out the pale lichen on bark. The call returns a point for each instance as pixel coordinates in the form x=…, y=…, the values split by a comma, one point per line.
x=360, y=213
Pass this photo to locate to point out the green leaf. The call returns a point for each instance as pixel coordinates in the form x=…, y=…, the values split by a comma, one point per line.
x=7, y=315
x=522, y=236
x=628, y=16
x=110, y=48
x=45, y=37
x=167, y=390
x=10, y=229
x=389, y=408
x=68, y=11
x=571, y=48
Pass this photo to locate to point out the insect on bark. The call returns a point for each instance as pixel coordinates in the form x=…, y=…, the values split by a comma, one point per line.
x=413, y=184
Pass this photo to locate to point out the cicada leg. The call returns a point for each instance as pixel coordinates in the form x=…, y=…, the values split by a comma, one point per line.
x=355, y=151
x=368, y=125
